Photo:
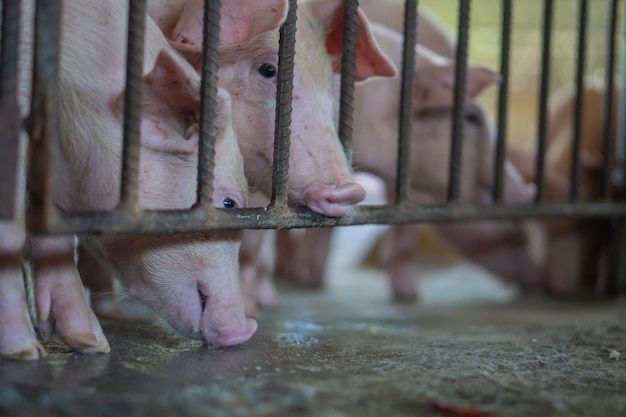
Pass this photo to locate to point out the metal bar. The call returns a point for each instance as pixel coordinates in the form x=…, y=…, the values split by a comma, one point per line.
x=284, y=92
x=132, y=105
x=180, y=221
x=578, y=104
x=459, y=102
x=503, y=101
x=619, y=243
x=406, y=102
x=9, y=111
x=609, y=96
x=543, y=100
x=208, y=103
x=348, y=67
x=42, y=123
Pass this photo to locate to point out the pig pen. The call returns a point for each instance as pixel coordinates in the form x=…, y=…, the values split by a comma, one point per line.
x=472, y=346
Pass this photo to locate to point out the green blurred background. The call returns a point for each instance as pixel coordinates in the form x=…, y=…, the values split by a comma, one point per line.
x=485, y=28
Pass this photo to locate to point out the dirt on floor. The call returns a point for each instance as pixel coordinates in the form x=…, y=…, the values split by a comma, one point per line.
x=347, y=351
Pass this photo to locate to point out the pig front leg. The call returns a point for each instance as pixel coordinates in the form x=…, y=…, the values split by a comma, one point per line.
x=396, y=257
x=17, y=336
x=60, y=298
x=301, y=255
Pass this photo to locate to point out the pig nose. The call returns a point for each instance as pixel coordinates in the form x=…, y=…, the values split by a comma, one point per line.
x=230, y=334
x=335, y=201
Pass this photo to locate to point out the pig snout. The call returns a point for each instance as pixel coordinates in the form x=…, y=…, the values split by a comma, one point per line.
x=335, y=200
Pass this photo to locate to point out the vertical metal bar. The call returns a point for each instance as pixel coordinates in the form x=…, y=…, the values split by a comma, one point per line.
x=578, y=104
x=132, y=104
x=9, y=111
x=619, y=243
x=43, y=122
x=348, y=66
x=406, y=102
x=503, y=96
x=607, y=144
x=208, y=104
x=543, y=99
x=459, y=101
x=283, y=107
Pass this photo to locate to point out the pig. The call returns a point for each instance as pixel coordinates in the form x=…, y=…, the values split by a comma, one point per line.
x=319, y=176
x=583, y=240
x=375, y=151
x=190, y=279
x=57, y=291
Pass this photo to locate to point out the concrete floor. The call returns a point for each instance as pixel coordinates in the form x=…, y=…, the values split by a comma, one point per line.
x=347, y=350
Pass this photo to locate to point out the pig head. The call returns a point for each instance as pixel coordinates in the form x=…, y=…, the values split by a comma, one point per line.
x=190, y=279
x=319, y=175
x=376, y=124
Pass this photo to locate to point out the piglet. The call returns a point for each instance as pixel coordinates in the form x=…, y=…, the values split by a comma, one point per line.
x=319, y=176
x=375, y=151
x=190, y=279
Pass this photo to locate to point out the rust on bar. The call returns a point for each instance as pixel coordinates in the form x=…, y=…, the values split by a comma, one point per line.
x=10, y=116
x=280, y=174
x=208, y=102
x=43, y=120
x=348, y=66
x=543, y=100
x=456, y=149
x=132, y=106
x=578, y=105
x=503, y=101
x=406, y=103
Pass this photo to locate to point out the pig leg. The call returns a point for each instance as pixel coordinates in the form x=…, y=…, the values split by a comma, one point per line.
x=397, y=259
x=99, y=280
x=311, y=256
x=60, y=298
x=286, y=243
x=17, y=336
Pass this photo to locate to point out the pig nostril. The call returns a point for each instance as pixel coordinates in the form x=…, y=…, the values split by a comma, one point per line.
x=202, y=299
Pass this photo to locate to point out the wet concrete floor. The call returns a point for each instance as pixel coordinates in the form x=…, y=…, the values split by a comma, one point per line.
x=346, y=351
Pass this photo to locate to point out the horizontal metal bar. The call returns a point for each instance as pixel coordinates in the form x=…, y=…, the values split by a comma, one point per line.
x=180, y=221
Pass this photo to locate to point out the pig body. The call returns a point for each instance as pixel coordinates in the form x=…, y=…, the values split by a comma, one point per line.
x=375, y=149
x=192, y=280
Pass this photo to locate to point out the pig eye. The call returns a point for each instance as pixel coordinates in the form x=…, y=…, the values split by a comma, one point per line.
x=229, y=203
x=267, y=70
x=472, y=118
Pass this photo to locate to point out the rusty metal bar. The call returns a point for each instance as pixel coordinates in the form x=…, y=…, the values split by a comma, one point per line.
x=43, y=120
x=456, y=150
x=609, y=96
x=208, y=103
x=287, y=50
x=503, y=101
x=9, y=111
x=406, y=102
x=348, y=67
x=578, y=105
x=543, y=99
x=180, y=221
x=132, y=105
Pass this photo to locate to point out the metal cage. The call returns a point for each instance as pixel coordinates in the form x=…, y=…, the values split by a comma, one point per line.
x=128, y=217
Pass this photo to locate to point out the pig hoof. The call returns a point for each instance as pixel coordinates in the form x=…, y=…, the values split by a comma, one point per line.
x=404, y=298
x=90, y=343
x=45, y=329
x=224, y=338
x=25, y=353
x=335, y=201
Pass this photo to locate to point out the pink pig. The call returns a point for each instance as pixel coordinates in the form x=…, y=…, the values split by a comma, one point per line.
x=192, y=279
x=375, y=151
x=319, y=176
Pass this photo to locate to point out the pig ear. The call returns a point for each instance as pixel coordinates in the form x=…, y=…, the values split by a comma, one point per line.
x=371, y=61
x=434, y=86
x=171, y=105
x=241, y=20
